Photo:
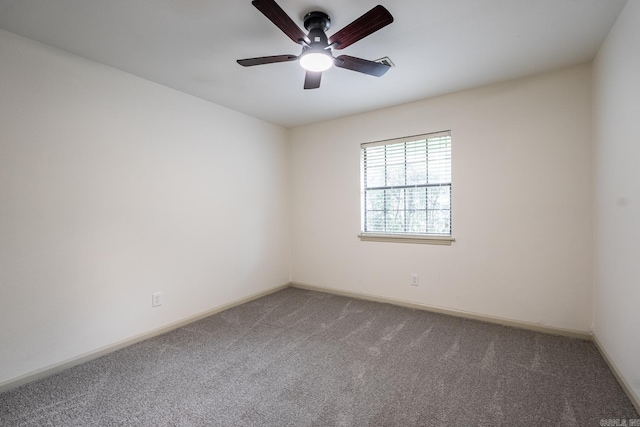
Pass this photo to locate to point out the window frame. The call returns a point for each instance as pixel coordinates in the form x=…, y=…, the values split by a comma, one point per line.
x=404, y=236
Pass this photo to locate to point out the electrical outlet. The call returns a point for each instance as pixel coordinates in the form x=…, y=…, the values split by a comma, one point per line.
x=414, y=280
x=157, y=298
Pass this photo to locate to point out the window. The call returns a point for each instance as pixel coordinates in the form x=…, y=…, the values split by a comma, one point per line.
x=406, y=189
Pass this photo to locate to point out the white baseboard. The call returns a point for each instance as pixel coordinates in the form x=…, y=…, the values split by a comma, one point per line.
x=633, y=397
x=86, y=357
x=585, y=335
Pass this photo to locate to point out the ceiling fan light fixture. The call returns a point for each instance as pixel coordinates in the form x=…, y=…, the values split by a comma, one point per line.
x=317, y=61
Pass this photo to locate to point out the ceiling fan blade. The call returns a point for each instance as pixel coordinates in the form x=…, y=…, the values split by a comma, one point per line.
x=361, y=65
x=266, y=60
x=271, y=10
x=312, y=80
x=370, y=22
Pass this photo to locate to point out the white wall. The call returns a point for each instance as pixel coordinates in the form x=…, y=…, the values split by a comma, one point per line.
x=113, y=187
x=616, y=135
x=522, y=204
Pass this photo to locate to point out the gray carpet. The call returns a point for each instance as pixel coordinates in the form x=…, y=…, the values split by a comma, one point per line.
x=301, y=358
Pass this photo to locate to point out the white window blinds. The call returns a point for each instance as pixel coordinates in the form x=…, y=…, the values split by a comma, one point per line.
x=406, y=185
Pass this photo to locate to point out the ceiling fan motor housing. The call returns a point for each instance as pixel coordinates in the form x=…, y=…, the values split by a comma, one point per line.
x=317, y=19
x=317, y=23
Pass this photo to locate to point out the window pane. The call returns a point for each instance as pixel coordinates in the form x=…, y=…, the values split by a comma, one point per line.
x=439, y=210
x=375, y=200
x=395, y=221
x=395, y=175
x=439, y=162
x=375, y=222
x=394, y=199
x=417, y=221
x=416, y=198
x=439, y=197
x=416, y=173
x=438, y=222
x=375, y=176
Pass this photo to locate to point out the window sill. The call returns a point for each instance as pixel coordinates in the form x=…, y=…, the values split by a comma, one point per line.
x=400, y=238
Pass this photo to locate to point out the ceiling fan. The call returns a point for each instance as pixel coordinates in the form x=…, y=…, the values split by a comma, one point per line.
x=316, y=55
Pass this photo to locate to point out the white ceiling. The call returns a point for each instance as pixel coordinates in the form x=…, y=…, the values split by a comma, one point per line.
x=438, y=46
